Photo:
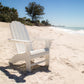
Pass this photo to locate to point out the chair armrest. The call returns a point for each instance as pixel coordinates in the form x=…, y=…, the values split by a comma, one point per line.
x=21, y=41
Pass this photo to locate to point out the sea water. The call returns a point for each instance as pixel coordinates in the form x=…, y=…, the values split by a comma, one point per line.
x=72, y=30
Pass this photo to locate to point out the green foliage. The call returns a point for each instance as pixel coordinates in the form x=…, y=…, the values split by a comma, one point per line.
x=8, y=14
x=28, y=20
x=46, y=23
x=43, y=21
x=21, y=20
x=34, y=10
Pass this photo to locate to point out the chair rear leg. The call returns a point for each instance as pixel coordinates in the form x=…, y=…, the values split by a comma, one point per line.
x=47, y=60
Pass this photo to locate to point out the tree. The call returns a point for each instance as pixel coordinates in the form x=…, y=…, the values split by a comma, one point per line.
x=46, y=23
x=43, y=21
x=28, y=20
x=8, y=14
x=34, y=10
x=13, y=14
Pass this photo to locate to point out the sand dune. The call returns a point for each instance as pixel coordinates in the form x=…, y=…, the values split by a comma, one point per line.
x=66, y=58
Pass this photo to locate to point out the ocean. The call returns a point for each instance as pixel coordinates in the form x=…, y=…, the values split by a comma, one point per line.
x=72, y=30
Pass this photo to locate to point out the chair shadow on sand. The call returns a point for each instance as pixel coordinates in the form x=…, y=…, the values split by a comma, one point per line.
x=20, y=70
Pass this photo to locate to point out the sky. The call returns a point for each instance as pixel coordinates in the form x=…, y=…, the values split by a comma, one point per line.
x=58, y=12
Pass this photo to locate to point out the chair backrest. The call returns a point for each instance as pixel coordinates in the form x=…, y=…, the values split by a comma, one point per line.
x=19, y=32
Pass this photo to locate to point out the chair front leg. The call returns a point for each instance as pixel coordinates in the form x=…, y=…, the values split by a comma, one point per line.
x=28, y=58
x=28, y=62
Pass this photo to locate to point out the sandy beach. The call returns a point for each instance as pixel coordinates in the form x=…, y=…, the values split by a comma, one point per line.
x=66, y=58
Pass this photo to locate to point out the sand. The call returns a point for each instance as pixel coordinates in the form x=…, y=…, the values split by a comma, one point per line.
x=66, y=58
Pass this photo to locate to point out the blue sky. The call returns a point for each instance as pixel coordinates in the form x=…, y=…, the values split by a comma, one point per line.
x=58, y=12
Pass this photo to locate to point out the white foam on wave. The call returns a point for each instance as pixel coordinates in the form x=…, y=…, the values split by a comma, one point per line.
x=68, y=30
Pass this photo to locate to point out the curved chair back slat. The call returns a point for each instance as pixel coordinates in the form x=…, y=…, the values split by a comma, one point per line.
x=19, y=32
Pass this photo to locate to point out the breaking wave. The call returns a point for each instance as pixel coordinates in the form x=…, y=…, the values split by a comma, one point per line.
x=69, y=30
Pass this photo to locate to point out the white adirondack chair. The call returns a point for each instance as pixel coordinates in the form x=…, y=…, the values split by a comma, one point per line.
x=24, y=48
